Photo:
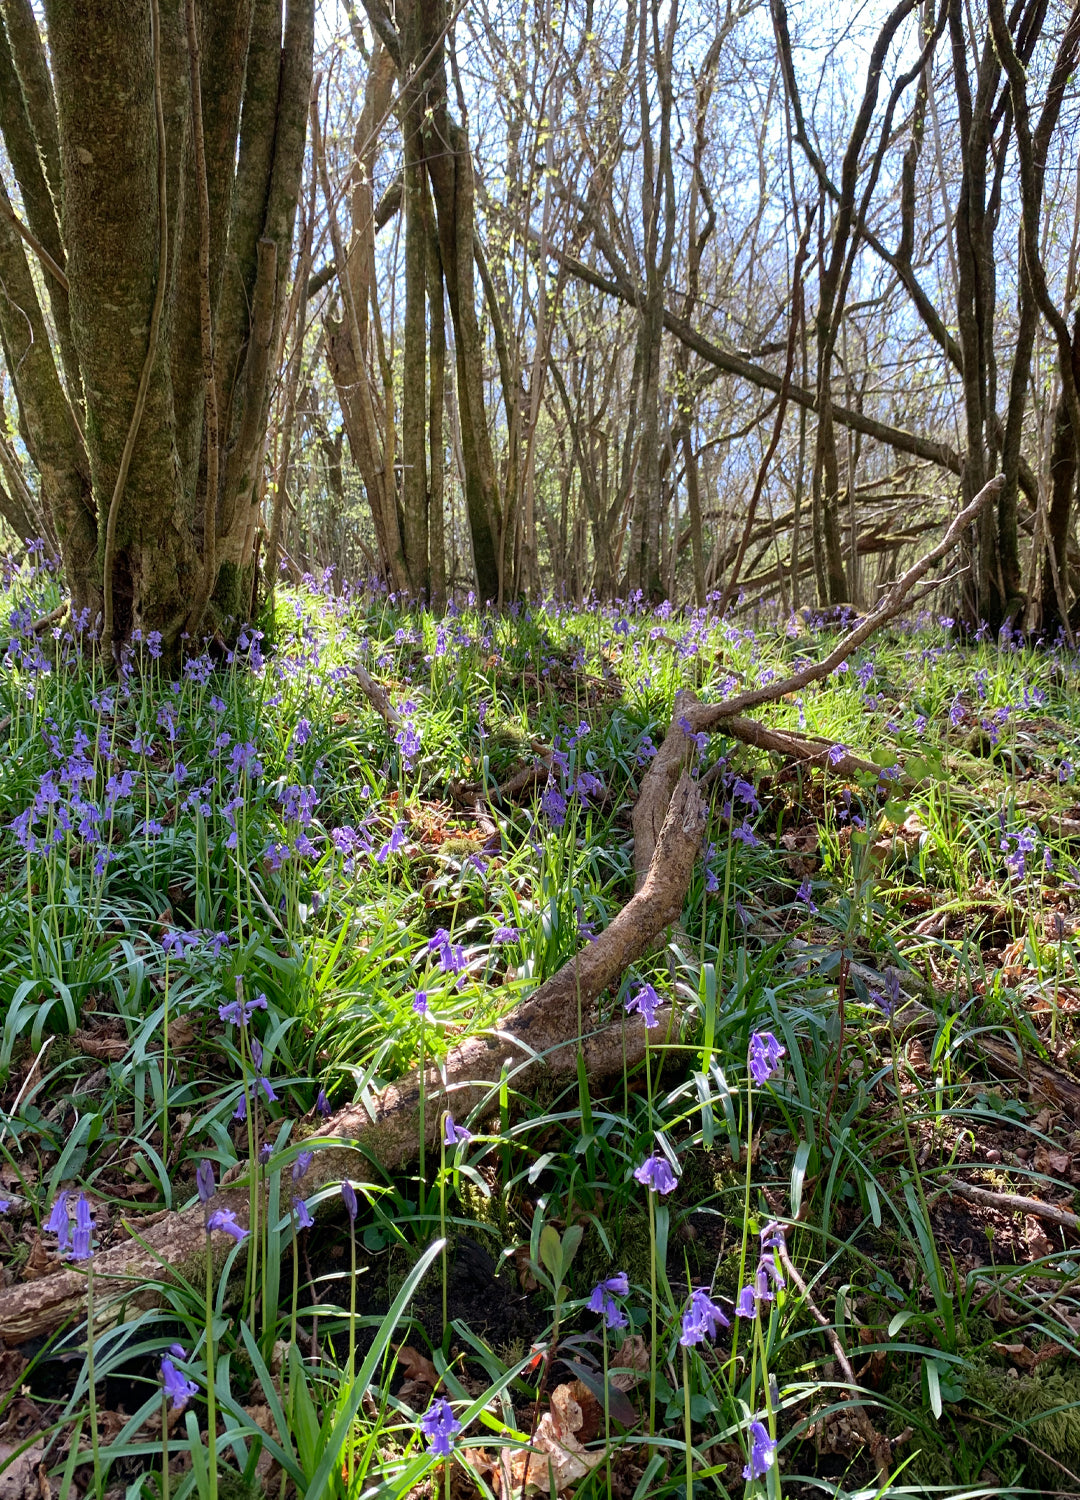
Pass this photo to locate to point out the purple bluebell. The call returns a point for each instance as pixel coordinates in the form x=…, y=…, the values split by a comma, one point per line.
x=304, y=1219
x=451, y=955
x=772, y=1236
x=746, y=835
x=602, y=1300
x=301, y=1164
x=655, y=1173
x=553, y=806
x=746, y=1306
x=455, y=1135
x=177, y=1387
x=644, y=1002
x=204, y=1180
x=762, y=1452
x=805, y=895
x=225, y=1220
x=742, y=791
x=322, y=1104
x=348, y=1197
x=239, y=1013
x=82, y=1242
x=702, y=1319
x=420, y=1003
x=440, y=1427
x=764, y=1057
x=59, y=1223
x=395, y=842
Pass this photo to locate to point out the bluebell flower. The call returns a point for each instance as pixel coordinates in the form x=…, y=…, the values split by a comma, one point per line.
x=304, y=1219
x=644, y=1002
x=764, y=1057
x=348, y=1197
x=440, y=1427
x=655, y=1173
x=746, y=1306
x=702, y=1319
x=176, y=1386
x=455, y=1135
x=204, y=1180
x=805, y=895
x=762, y=1452
x=224, y=1220
x=301, y=1164
x=240, y=1012
x=82, y=1245
x=59, y=1223
x=602, y=1300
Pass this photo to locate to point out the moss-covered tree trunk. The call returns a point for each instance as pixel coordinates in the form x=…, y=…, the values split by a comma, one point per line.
x=162, y=262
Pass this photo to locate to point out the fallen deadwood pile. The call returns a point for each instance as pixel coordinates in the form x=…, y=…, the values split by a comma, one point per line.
x=542, y=1035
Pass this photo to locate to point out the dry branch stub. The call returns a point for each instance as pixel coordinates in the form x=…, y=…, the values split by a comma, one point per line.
x=541, y=1037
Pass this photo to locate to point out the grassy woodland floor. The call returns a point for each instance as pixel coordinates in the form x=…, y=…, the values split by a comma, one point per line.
x=235, y=901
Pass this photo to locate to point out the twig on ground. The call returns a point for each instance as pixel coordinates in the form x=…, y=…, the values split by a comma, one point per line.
x=707, y=716
x=879, y=1445
x=1012, y=1203
x=378, y=697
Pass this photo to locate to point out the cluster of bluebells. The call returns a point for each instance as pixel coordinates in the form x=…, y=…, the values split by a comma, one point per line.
x=567, y=778
x=602, y=1301
x=764, y=1056
x=73, y=1243
x=768, y=1278
x=451, y=955
x=1016, y=847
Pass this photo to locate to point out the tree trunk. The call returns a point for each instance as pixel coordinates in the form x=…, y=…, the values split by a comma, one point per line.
x=150, y=271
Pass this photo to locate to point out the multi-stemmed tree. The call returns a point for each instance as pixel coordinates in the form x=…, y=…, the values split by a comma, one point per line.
x=156, y=149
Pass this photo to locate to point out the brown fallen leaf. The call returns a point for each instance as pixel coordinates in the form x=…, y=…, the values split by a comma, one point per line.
x=417, y=1367
x=38, y=1262
x=1035, y=1238
x=104, y=1048
x=19, y=1476
x=181, y=1033
x=1017, y=1354
x=12, y=1365
x=1052, y=1163
x=523, y=1266
x=555, y=1459
x=629, y=1362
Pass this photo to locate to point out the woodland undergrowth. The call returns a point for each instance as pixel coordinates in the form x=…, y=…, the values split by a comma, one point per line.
x=789, y=1252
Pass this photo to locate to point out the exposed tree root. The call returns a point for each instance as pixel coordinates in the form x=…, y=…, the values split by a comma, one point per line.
x=539, y=1039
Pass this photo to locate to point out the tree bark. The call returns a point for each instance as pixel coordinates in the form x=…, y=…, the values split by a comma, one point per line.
x=88, y=150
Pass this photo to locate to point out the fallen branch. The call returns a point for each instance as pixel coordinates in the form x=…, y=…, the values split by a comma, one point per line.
x=378, y=697
x=691, y=717
x=707, y=716
x=540, y=1038
x=52, y=618
x=1007, y=1203
x=812, y=751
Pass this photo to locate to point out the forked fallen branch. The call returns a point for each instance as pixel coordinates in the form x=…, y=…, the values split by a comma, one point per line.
x=692, y=717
